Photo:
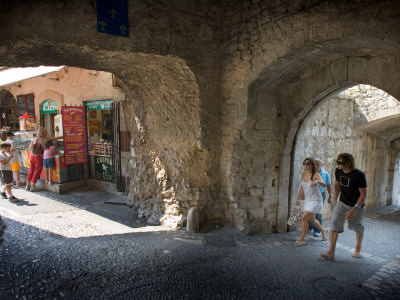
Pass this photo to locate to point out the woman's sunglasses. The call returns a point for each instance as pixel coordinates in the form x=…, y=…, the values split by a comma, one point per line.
x=306, y=164
x=339, y=162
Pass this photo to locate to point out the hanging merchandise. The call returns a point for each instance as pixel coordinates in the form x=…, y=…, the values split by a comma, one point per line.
x=27, y=122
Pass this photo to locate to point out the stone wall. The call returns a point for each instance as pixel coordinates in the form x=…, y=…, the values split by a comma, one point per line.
x=394, y=175
x=281, y=60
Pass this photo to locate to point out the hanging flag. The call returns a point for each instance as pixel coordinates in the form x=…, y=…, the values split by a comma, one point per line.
x=112, y=17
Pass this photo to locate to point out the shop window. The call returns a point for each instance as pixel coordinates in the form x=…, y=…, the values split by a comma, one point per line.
x=26, y=104
x=115, y=82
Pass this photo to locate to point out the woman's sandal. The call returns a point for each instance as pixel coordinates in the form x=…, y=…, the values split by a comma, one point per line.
x=326, y=256
x=323, y=235
x=356, y=255
x=300, y=243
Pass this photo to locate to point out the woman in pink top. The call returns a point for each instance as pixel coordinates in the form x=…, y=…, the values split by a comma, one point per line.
x=48, y=160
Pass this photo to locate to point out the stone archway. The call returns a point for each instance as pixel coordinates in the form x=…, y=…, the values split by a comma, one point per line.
x=361, y=121
x=277, y=106
x=164, y=121
x=272, y=70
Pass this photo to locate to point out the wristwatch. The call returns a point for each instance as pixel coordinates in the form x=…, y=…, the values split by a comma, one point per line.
x=358, y=206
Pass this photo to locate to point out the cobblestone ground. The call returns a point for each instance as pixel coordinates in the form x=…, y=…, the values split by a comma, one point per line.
x=76, y=246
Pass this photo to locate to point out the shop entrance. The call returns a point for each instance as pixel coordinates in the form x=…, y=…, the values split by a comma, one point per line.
x=100, y=134
x=8, y=110
x=48, y=110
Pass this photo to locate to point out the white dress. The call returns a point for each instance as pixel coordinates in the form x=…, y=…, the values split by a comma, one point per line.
x=312, y=198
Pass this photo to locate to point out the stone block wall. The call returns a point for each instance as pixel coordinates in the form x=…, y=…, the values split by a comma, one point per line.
x=285, y=58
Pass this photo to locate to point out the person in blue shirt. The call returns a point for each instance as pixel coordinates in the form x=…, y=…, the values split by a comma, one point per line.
x=326, y=178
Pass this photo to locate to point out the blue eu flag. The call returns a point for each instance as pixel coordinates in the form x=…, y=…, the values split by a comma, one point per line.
x=112, y=17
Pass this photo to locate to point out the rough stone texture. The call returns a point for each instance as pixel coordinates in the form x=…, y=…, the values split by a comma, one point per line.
x=234, y=78
x=279, y=67
x=371, y=104
x=192, y=224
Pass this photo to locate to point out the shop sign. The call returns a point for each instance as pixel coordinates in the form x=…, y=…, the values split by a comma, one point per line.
x=103, y=168
x=48, y=107
x=98, y=105
x=74, y=134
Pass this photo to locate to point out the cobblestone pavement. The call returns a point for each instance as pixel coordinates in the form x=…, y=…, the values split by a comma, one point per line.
x=76, y=246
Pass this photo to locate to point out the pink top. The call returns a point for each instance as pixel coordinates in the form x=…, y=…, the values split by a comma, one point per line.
x=49, y=153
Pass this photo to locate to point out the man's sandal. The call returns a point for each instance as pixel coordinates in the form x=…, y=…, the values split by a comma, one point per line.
x=300, y=243
x=326, y=256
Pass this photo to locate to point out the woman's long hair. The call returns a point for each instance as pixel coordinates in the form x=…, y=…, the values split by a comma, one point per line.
x=40, y=132
x=311, y=160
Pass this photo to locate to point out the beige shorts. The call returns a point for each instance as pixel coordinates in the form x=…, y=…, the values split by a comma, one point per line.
x=15, y=166
x=338, y=218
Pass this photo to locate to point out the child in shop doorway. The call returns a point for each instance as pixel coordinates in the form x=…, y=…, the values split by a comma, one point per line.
x=6, y=172
x=48, y=160
x=15, y=167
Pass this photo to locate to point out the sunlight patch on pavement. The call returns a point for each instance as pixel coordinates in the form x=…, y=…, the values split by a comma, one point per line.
x=67, y=220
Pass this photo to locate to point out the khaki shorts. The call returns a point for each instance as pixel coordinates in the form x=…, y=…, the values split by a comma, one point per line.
x=338, y=218
x=15, y=166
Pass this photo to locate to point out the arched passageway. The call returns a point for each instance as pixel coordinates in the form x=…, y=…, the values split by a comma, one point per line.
x=278, y=103
x=354, y=121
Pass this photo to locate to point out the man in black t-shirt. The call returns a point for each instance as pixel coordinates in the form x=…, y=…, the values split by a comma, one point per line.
x=352, y=186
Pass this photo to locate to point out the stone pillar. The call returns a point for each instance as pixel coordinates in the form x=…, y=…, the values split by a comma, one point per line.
x=193, y=220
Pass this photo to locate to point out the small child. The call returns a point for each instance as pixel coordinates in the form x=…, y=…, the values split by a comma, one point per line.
x=6, y=172
x=48, y=160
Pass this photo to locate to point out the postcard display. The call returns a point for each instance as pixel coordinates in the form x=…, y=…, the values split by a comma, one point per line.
x=100, y=137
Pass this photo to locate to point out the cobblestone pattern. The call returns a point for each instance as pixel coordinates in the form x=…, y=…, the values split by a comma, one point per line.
x=386, y=281
x=2, y=227
x=104, y=262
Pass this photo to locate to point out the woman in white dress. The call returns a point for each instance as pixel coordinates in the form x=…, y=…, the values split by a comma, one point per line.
x=310, y=179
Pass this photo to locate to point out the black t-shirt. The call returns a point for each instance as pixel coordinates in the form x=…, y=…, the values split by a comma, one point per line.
x=349, y=185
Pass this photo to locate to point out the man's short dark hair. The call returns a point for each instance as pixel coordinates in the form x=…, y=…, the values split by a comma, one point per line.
x=4, y=145
x=9, y=133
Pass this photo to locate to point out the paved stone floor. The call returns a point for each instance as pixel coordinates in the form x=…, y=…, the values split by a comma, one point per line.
x=76, y=246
